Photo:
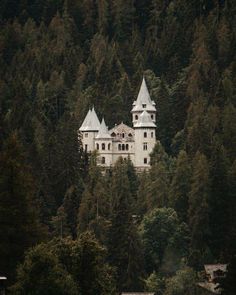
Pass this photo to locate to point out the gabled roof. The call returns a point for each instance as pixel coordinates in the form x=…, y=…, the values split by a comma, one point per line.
x=143, y=101
x=122, y=128
x=144, y=120
x=103, y=131
x=91, y=122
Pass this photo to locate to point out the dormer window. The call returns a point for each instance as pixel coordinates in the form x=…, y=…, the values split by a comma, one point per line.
x=144, y=106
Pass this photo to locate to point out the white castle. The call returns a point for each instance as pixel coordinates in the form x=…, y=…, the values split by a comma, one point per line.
x=123, y=141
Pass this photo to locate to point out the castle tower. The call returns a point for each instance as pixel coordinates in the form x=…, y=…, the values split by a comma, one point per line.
x=145, y=139
x=89, y=130
x=144, y=118
x=103, y=144
x=143, y=103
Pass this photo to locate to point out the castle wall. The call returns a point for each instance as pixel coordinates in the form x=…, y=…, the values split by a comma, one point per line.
x=145, y=140
x=88, y=140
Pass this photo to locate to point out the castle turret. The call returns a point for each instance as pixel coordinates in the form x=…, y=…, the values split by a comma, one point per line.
x=143, y=103
x=89, y=130
x=103, y=144
x=145, y=139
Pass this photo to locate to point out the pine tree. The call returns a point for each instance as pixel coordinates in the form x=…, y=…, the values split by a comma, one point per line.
x=198, y=213
x=122, y=238
x=180, y=186
x=20, y=227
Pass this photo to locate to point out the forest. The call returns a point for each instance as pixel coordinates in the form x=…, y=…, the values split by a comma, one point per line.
x=68, y=227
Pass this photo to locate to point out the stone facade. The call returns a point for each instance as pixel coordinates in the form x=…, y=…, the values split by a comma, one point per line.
x=123, y=141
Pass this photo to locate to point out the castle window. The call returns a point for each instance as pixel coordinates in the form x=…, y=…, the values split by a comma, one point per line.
x=86, y=147
x=85, y=134
x=136, y=117
x=152, y=117
x=127, y=147
x=113, y=134
x=103, y=160
x=130, y=135
x=123, y=135
x=145, y=161
x=152, y=134
x=109, y=146
x=97, y=146
x=144, y=106
x=123, y=147
x=145, y=134
x=119, y=147
x=145, y=146
x=103, y=146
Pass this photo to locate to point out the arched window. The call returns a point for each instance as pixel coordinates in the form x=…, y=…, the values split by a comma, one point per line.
x=119, y=147
x=145, y=134
x=123, y=147
x=152, y=117
x=103, y=146
x=109, y=146
x=123, y=135
x=103, y=160
x=127, y=147
x=97, y=146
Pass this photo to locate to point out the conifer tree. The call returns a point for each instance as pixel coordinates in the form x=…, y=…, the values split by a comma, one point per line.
x=198, y=213
x=20, y=227
x=180, y=186
x=122, y=236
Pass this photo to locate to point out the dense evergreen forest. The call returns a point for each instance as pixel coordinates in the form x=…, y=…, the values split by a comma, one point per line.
x=66, y=227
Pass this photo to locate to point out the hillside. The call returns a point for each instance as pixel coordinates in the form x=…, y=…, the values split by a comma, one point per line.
x=152, y=231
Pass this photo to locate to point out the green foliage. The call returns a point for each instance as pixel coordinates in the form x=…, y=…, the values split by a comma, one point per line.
x=65, y=266
x=183, y=283
x=125, y=252
x=20, y=227
x=57, y=59
x=41, y=273
x=165, y=240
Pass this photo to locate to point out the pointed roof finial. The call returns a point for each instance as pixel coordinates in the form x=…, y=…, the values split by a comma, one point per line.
x=143, y=101
x=91, y=122
x=103, y=131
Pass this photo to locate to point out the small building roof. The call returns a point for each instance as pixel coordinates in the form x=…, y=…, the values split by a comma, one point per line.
x=144, y=120
x=91, y=122
x=143, y=101
x=103, y=131
x=211, y=287
x=211, y=269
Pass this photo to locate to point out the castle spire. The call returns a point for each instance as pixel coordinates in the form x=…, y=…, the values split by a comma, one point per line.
x=91, y=122
x=103, y=131
x=143, y=101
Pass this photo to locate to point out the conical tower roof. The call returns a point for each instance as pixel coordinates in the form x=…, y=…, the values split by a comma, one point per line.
x=103, y=131
x=143, y=101
x=91, y=122
x=144, y=121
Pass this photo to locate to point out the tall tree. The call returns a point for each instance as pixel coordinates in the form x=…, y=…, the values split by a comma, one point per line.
x=20, y=227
